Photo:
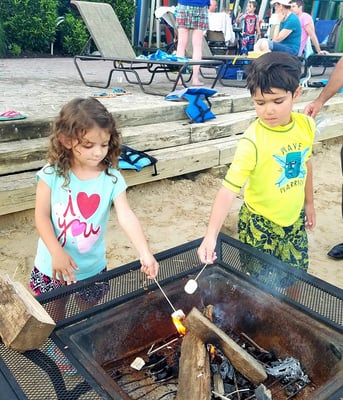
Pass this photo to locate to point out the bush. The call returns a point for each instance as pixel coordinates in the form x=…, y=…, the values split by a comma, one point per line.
x=29, y=25
x=74, y=35
x=125, y=11
x=32, y=25
x=2, y=40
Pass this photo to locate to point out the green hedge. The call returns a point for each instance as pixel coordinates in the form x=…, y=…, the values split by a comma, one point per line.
x=30, y=26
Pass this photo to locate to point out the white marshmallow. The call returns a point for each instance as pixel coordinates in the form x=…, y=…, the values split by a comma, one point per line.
x=191, y=286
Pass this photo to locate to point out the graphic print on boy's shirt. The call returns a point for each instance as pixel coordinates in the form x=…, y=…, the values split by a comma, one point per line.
x=292, y=165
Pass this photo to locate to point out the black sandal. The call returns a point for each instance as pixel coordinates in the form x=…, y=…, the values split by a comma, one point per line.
x=336, y=252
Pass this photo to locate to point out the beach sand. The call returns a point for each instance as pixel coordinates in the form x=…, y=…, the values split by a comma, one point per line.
x=176, y=211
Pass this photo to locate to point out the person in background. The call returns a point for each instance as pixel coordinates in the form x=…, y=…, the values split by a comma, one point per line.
x=272, y=163
x=287, y=31
x=74, y=195
x=250, y=28
x=335, y=83
x=193, y=15
x=307, y=27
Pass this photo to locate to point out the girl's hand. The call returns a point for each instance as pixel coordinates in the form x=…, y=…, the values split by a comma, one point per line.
x=149, y=265
x=63, y=267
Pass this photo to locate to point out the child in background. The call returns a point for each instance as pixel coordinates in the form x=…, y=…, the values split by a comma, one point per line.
x=272, y=160
x=250, y=29
x=75, y=191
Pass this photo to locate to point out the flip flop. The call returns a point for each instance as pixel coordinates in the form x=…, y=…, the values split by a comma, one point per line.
x=115, y=92
x=11, y=115
x=120, y=91
x=103, y=95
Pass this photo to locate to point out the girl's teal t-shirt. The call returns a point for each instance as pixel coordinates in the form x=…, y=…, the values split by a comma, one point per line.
x=79, y=214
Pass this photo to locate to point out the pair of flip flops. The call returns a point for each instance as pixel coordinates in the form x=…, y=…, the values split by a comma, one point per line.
x=115, y=92
x=11, y=115
x=336, y=252
x=63, y=364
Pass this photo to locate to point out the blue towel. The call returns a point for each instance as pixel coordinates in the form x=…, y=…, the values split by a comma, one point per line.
x=160, y=55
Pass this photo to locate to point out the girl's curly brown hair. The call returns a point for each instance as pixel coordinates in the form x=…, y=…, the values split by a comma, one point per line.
x=75, y=119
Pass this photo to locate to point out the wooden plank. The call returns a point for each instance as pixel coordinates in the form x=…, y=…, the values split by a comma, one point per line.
x=194, y=380
x=22, y=155
x=157, y=136
x=330, y=128
x=208, y=332
x=175, y=162
x=222, y=126
x=17, y=191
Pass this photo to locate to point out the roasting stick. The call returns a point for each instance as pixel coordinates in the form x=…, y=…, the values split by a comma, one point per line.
x=152, y=350
x=228, y=398
x=159, y=286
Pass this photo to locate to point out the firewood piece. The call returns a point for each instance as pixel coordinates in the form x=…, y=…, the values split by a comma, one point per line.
x=205, y=330
x=262, y=393
x=194, y=370
x=24, y=323
x=218, y=385
x=208, y=312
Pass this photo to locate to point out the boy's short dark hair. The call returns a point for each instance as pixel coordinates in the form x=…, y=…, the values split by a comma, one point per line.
x=274, y=70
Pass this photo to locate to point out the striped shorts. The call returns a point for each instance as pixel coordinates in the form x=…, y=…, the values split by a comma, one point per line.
x=192, y=17
x=288, y=244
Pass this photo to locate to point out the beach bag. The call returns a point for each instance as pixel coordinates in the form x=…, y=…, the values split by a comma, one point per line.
x=230, y=68
x=135, y=159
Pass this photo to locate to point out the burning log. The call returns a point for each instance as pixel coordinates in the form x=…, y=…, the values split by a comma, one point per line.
x=194, y=370
x=205, y=330
x=24, y=323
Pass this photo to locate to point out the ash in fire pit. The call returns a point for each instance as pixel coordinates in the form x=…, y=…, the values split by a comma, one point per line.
x=158, y=378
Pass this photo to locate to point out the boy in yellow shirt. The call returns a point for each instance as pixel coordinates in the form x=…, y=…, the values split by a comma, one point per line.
x=272, y=162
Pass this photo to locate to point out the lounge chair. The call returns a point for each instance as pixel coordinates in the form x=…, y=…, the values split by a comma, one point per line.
x=115, y=50
x=327, y=32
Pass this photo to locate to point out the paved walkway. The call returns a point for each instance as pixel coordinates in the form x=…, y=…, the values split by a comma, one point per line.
x=38, y=87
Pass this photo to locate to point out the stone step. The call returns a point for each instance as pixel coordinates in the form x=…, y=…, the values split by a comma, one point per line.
x=180, y=148
x=23, y=155
x=154, y=111
x=146, y=114
x=17, y=191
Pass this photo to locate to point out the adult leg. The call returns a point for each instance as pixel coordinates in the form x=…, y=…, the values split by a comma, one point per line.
x=262, y=45
x=182, y=42
x=197, y=39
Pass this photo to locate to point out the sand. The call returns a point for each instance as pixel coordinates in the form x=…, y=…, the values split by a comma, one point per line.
x=176, y=211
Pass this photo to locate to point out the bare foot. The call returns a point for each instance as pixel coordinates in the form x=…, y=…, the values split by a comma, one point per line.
x=197, y=83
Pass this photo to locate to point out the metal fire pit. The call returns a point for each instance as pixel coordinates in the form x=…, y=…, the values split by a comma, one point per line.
x=282, y=309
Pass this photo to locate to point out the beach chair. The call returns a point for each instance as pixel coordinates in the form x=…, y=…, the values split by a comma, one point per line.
x=327, y=32
x=115, y=50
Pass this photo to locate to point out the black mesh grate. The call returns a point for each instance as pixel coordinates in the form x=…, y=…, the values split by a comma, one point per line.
x=318, y=298
x=35, y=376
